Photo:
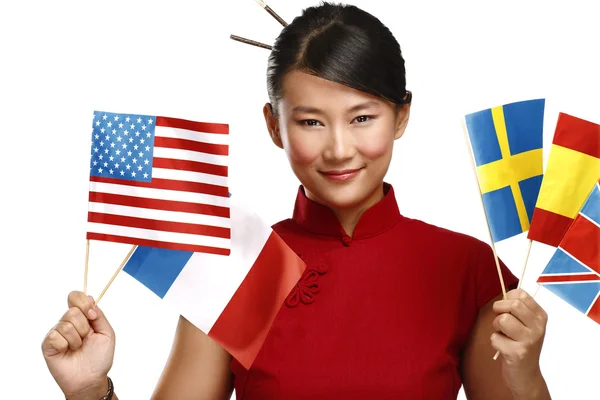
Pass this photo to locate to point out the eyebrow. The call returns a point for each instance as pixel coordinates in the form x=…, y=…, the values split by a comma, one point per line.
x=314, y=110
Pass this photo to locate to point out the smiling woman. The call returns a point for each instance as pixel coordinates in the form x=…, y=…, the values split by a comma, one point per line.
x=337, y=86
x=389, y=307
x=338, y=139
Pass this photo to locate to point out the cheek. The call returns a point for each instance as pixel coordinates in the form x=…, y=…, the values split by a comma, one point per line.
x=376, y=146
x=302, y=149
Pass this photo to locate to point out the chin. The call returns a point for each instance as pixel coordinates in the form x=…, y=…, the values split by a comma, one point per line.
x=340, y=196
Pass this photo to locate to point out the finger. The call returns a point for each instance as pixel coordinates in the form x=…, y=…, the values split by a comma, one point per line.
x=54, y=343
x=75, y=316
x=68, y=331
x=517, y=308
x=529, y=301
x=100, y=324
x=84, y=302
x=511, y=350
x=509, y=325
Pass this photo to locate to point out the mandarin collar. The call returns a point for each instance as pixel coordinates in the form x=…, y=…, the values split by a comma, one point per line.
x=319, y=219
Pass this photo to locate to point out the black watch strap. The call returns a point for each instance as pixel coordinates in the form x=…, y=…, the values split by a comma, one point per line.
x=111, y=390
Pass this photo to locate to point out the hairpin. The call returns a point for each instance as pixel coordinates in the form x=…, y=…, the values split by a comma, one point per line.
x=270, y=11
x=254, y=42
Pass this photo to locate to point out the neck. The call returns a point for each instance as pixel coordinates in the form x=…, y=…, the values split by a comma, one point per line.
x=350, y=216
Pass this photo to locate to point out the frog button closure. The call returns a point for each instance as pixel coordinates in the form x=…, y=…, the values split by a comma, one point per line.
x=307, y=287
x=347, y=240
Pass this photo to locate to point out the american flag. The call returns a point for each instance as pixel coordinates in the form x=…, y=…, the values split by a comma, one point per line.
x=159, y=182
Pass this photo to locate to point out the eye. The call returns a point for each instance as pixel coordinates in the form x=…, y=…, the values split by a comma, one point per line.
x=364, y=118
x=309, y=122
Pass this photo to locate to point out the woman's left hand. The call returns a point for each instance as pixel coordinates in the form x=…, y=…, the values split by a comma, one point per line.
x=520, y=329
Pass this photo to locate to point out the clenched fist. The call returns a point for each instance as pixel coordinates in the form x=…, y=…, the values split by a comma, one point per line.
x=79, y=349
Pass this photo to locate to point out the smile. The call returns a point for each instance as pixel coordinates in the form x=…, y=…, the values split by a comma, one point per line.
x=341, y=175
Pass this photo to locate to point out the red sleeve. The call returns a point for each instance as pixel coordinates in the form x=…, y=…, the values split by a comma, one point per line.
x=488, y=281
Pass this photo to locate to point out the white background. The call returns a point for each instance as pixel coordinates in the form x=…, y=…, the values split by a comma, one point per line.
x=60, y=61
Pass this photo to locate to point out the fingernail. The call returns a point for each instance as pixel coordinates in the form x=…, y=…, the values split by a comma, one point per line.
x=51, y=352
x=92, y=314
x=93, y=302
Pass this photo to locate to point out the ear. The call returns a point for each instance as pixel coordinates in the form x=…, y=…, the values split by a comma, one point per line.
x=402, y=116
x=272, y=125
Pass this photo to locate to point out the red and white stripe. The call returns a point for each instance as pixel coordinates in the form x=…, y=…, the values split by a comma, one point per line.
x=184, y=207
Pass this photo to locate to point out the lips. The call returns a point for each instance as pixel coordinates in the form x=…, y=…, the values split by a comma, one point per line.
x=341, y=175
x=341, y=172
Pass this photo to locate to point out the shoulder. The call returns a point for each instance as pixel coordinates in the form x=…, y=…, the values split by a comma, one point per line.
x=463, y=256
x=440, y=238
x=471, y=256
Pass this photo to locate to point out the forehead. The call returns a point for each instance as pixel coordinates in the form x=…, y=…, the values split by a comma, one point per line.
x=302, y=89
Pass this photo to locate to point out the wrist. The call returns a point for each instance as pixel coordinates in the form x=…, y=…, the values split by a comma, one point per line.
x=96, y=391
x=535, y=390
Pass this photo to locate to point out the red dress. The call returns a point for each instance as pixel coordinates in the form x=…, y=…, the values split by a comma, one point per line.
x=384, y=314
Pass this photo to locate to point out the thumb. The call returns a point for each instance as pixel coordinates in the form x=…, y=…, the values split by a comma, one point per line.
x=98, y=321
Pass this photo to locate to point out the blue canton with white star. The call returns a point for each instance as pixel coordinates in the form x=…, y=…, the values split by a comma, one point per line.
x=122, y=146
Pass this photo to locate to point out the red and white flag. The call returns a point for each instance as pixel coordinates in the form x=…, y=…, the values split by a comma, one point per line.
x=233, y=299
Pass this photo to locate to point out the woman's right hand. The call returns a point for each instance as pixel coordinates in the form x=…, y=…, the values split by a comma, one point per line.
x=79, y=349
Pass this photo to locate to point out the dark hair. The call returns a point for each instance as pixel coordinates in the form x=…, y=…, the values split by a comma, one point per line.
x=343, y=44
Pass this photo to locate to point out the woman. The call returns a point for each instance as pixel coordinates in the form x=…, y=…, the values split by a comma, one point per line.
x=389, y=307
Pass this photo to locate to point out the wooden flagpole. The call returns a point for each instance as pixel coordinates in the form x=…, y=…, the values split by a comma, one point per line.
x=474, y=167
x=520, y=281
x=87, y=259
x=536, y=291
x=533, y=296
x=468, y=142
x=525, y=265
x=116, y=273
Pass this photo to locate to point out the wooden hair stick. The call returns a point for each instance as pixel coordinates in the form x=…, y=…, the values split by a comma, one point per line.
x=270, y=11
x=251, y=42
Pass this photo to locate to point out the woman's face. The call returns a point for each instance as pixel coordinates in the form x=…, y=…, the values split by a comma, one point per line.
x=338, y=140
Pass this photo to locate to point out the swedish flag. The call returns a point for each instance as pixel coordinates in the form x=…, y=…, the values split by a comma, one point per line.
x=507, y=146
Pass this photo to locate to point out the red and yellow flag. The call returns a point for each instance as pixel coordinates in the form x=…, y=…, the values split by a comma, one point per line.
x=573, y=167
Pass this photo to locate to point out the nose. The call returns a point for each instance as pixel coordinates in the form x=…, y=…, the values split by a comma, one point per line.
x=340, y=145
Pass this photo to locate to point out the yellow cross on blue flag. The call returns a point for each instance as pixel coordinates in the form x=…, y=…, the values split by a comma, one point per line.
x=507, y=146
